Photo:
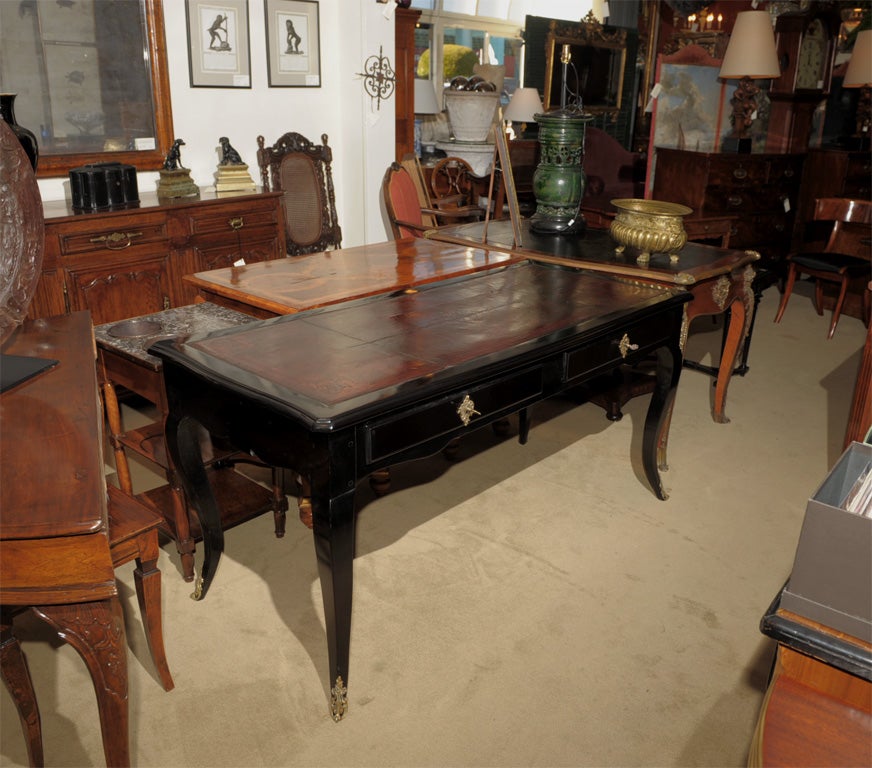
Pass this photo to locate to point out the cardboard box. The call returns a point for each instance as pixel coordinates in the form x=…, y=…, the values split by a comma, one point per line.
x=831, y=582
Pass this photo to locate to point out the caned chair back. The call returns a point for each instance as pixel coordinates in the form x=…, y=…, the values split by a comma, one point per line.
x=302, y=170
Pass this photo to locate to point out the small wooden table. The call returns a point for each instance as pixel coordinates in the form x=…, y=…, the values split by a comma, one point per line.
x=285, y=286
x=343, y=391
x=54, y=542
x=717, y=278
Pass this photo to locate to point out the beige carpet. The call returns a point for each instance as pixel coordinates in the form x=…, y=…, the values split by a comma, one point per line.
x=525, y=606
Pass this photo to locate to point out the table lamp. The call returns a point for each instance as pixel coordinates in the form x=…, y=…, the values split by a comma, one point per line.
x=524, y=104
x=750, y=56
x=859, y=75
x=425, y=104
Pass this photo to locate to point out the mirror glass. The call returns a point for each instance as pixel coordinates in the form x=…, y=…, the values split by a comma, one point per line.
x=90, y=78
x=595, y=72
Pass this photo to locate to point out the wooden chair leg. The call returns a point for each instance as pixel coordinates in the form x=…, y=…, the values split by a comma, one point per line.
x=280, y=501
x=146, y=578
x=16, y=677
x=819, y=296
x=788, y=289
x=837, y=310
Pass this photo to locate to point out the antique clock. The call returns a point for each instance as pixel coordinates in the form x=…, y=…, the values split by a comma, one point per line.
x=806, y=45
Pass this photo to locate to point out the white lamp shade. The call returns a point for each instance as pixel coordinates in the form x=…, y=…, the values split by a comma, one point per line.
x=524, y=104
x=751, y=50
x=859, y=72
x=425, y=98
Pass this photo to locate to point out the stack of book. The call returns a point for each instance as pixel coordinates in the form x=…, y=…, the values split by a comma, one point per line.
x=233, y=178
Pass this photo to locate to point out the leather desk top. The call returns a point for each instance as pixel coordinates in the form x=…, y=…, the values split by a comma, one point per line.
x=284, y=286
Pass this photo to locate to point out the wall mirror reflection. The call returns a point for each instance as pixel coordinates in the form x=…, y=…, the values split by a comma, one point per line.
x=90, y=78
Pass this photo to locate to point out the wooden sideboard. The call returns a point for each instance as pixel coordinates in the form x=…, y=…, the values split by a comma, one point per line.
x=130, y=262
x=762, y=190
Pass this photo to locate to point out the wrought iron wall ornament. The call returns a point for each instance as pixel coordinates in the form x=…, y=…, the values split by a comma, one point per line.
x=379, y=78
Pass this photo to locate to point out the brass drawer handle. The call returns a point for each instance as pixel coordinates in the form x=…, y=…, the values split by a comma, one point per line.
x=236, y=223
x=624, y=346
x=117, y=241
x=734, y=200
x=740, y=173
x=466, y=410
x=788, y=173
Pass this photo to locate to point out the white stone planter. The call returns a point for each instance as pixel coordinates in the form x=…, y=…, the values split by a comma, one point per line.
x=471, y=113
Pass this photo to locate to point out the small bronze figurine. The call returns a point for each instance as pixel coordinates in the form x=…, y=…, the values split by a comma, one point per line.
x=229, y=156
x=173, y=160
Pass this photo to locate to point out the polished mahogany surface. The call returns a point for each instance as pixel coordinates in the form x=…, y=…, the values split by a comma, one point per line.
x=340, y=392
x=284, y=286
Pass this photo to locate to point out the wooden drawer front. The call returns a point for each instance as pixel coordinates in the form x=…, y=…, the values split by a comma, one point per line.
x=590, y=361
x=232, y=220
x=755, y=231
x=749, y=200
x=441, y=419
x=731, y=172
x=785, y=171
x=220, y=252
x=859, y=165
x=108, y=236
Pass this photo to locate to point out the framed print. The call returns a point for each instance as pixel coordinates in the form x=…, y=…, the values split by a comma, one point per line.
x=218, y=50
x=293, y=43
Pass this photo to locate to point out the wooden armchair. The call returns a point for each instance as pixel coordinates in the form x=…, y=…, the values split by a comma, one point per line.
x=845, y=258
x=302, y=171
x=406, y=213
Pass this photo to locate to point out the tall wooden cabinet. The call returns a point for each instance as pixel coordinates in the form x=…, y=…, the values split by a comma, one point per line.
x=762, y=190
x=130, y=262
x=404, y=41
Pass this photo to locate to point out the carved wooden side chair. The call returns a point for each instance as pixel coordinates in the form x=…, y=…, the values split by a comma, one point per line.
x=302, y=170
x=845, y=258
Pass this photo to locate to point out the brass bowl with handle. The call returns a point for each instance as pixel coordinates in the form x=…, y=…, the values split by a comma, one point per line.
x=650, y=226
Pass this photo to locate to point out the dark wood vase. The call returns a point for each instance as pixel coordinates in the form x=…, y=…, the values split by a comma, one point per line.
x=26, y=137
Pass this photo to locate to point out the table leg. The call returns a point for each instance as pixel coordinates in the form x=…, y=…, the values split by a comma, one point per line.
x=113, y=417
x=16, y=677
x=736, y=331
x=656, y=433
x=96, y=631
x=183, y=443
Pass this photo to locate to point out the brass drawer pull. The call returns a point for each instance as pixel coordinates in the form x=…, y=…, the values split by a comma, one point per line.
x=735, y=201
x=740, y=173
x=466, y=410
x=625, y=346
x=788, y=173
x=236, y=223
x=117, y=241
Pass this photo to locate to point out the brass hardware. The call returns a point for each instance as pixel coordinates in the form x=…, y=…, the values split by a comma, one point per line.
x=338, y=699
x=236, y=223
x=651, y=226
x=721, y=291
x=166, y=302
x=625, y=346
x=66, y=299
x=788, y=173
x=117, y=241
x=734, y=200
x=466, y=410
x=740, y=173
x=198, y=589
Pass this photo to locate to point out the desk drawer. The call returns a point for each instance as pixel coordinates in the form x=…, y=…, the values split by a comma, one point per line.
x=440, y=418
x=605, y=353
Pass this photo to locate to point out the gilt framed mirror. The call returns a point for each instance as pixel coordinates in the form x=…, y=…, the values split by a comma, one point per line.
x=91, y=80
x=595, y=72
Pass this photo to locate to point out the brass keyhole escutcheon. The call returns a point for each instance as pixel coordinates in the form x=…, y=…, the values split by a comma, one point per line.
x=466, y=410
x=625, y=346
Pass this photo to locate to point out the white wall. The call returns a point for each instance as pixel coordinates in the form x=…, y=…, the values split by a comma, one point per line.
x=362, y=138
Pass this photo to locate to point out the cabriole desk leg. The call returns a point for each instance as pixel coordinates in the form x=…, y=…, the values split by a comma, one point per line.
x=16, y=677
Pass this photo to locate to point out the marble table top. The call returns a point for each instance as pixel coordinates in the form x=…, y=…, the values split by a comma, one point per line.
x=132, y=337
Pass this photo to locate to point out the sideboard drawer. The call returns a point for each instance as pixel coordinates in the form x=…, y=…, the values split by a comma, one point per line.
x=115, y=235
x=731, y=173
x=416, y=427
x=244, y=219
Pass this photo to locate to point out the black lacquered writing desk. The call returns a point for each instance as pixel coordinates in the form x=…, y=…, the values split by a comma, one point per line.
x=340, y=392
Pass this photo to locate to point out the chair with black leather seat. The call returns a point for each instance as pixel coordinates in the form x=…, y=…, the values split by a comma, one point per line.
x=845, y=258
x=302, y=170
